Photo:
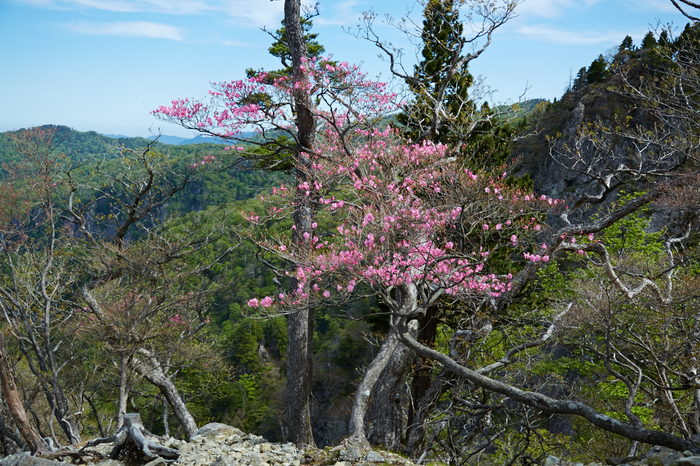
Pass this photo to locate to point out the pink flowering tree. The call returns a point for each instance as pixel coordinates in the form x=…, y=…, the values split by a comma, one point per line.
x=410, y=226
x=291, y=115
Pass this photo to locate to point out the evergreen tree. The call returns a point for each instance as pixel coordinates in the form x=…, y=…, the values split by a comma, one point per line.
x=280, y=48
x=664, y=39
x=581, y=79
x=649, y=41
x=626, y=44
x=598, y=71
x=442, y=34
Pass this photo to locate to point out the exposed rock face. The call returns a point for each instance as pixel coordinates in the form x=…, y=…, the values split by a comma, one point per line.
x=222, y=445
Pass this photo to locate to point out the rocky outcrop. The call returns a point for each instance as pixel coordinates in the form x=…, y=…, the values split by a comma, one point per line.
x=222, y=445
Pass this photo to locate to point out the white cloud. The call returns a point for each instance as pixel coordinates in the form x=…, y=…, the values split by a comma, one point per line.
x=129, y=29
x=253, y=13
x=560, y=36
x=551, y=8
x=178, y=7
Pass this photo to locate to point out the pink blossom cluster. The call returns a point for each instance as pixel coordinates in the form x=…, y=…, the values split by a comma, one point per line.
x=400, y=213
x=344, y=95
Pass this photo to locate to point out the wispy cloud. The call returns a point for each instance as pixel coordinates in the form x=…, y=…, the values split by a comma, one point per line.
x=247, y=13
x=179, y=7
x=342, y=14
x=561, y=36
x=552, y=8
x=129, y=29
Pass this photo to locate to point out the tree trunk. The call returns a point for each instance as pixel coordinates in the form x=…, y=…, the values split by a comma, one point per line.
x=415, y=437
x=300, y=323
x=422, y=377
x=386, y=418
x=123, y=389
x=407, y=300
x=152, y=371
x=14, y=404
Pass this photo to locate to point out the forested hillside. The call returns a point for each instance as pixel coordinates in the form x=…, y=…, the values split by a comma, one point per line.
x=458, y=282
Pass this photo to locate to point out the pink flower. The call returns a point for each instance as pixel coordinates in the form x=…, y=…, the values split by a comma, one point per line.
x=580, y=252
x=326, y=294
x=266, y=301
x=498, y=226
x=514, y=239
x=486, y=227
x=253, y=302
x=545, y=258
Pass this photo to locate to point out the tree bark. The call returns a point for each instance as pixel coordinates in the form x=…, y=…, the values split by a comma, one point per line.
x=151, y=369
x=123, y=389
x=386, y=418
x=407, y=299
x=422, y=377
x=14, y=403
x=300, y=323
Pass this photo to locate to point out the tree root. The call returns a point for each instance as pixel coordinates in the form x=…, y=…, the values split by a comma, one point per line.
x=134, y=432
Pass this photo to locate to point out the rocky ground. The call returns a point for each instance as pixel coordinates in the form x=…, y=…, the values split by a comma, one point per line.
x=221, y=445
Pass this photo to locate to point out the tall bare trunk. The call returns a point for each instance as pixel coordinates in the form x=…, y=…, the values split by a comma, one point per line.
x=300, y=323
x=14, y=403
x=123, y=389
x=149, y=367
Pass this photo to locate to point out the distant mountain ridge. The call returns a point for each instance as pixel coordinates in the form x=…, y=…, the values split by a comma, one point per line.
x=174, y=140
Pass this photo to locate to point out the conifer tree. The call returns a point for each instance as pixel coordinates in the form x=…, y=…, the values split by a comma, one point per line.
x=442, y=35
x=598, y=71
x=649, y=41
x=626, y=44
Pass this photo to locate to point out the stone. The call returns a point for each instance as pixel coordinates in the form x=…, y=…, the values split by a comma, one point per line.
x=157, y=462
x=688, y=461
x=374, y=457
x=552, y=461
x=27, y=460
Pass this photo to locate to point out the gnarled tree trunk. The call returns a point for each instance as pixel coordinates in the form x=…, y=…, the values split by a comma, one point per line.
x=14, y=403
x=150, y=368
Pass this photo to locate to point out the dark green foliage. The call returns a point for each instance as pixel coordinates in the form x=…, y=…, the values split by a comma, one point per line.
x=627, y=44
x=649, y=41
x=598, y=71
x=280, y=49
x=581, y=80
x=442, y=33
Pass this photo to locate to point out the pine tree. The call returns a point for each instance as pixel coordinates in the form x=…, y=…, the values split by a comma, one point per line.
x=280, y=48
x=442, y=34
x=626, y=44
x=581, y=79
x=598, y=71
x=649, y=41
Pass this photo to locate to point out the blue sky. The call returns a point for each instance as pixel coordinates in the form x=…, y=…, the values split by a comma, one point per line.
x=103, y=65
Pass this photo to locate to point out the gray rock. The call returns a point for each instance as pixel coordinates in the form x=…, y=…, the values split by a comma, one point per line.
x=552, y=461
x=688, y=461
x=215, y=430
x=374, y=457
x=157, y=462
x=27, y=460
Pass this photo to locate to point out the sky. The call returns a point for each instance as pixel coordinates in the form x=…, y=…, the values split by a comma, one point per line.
x=104, y=65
